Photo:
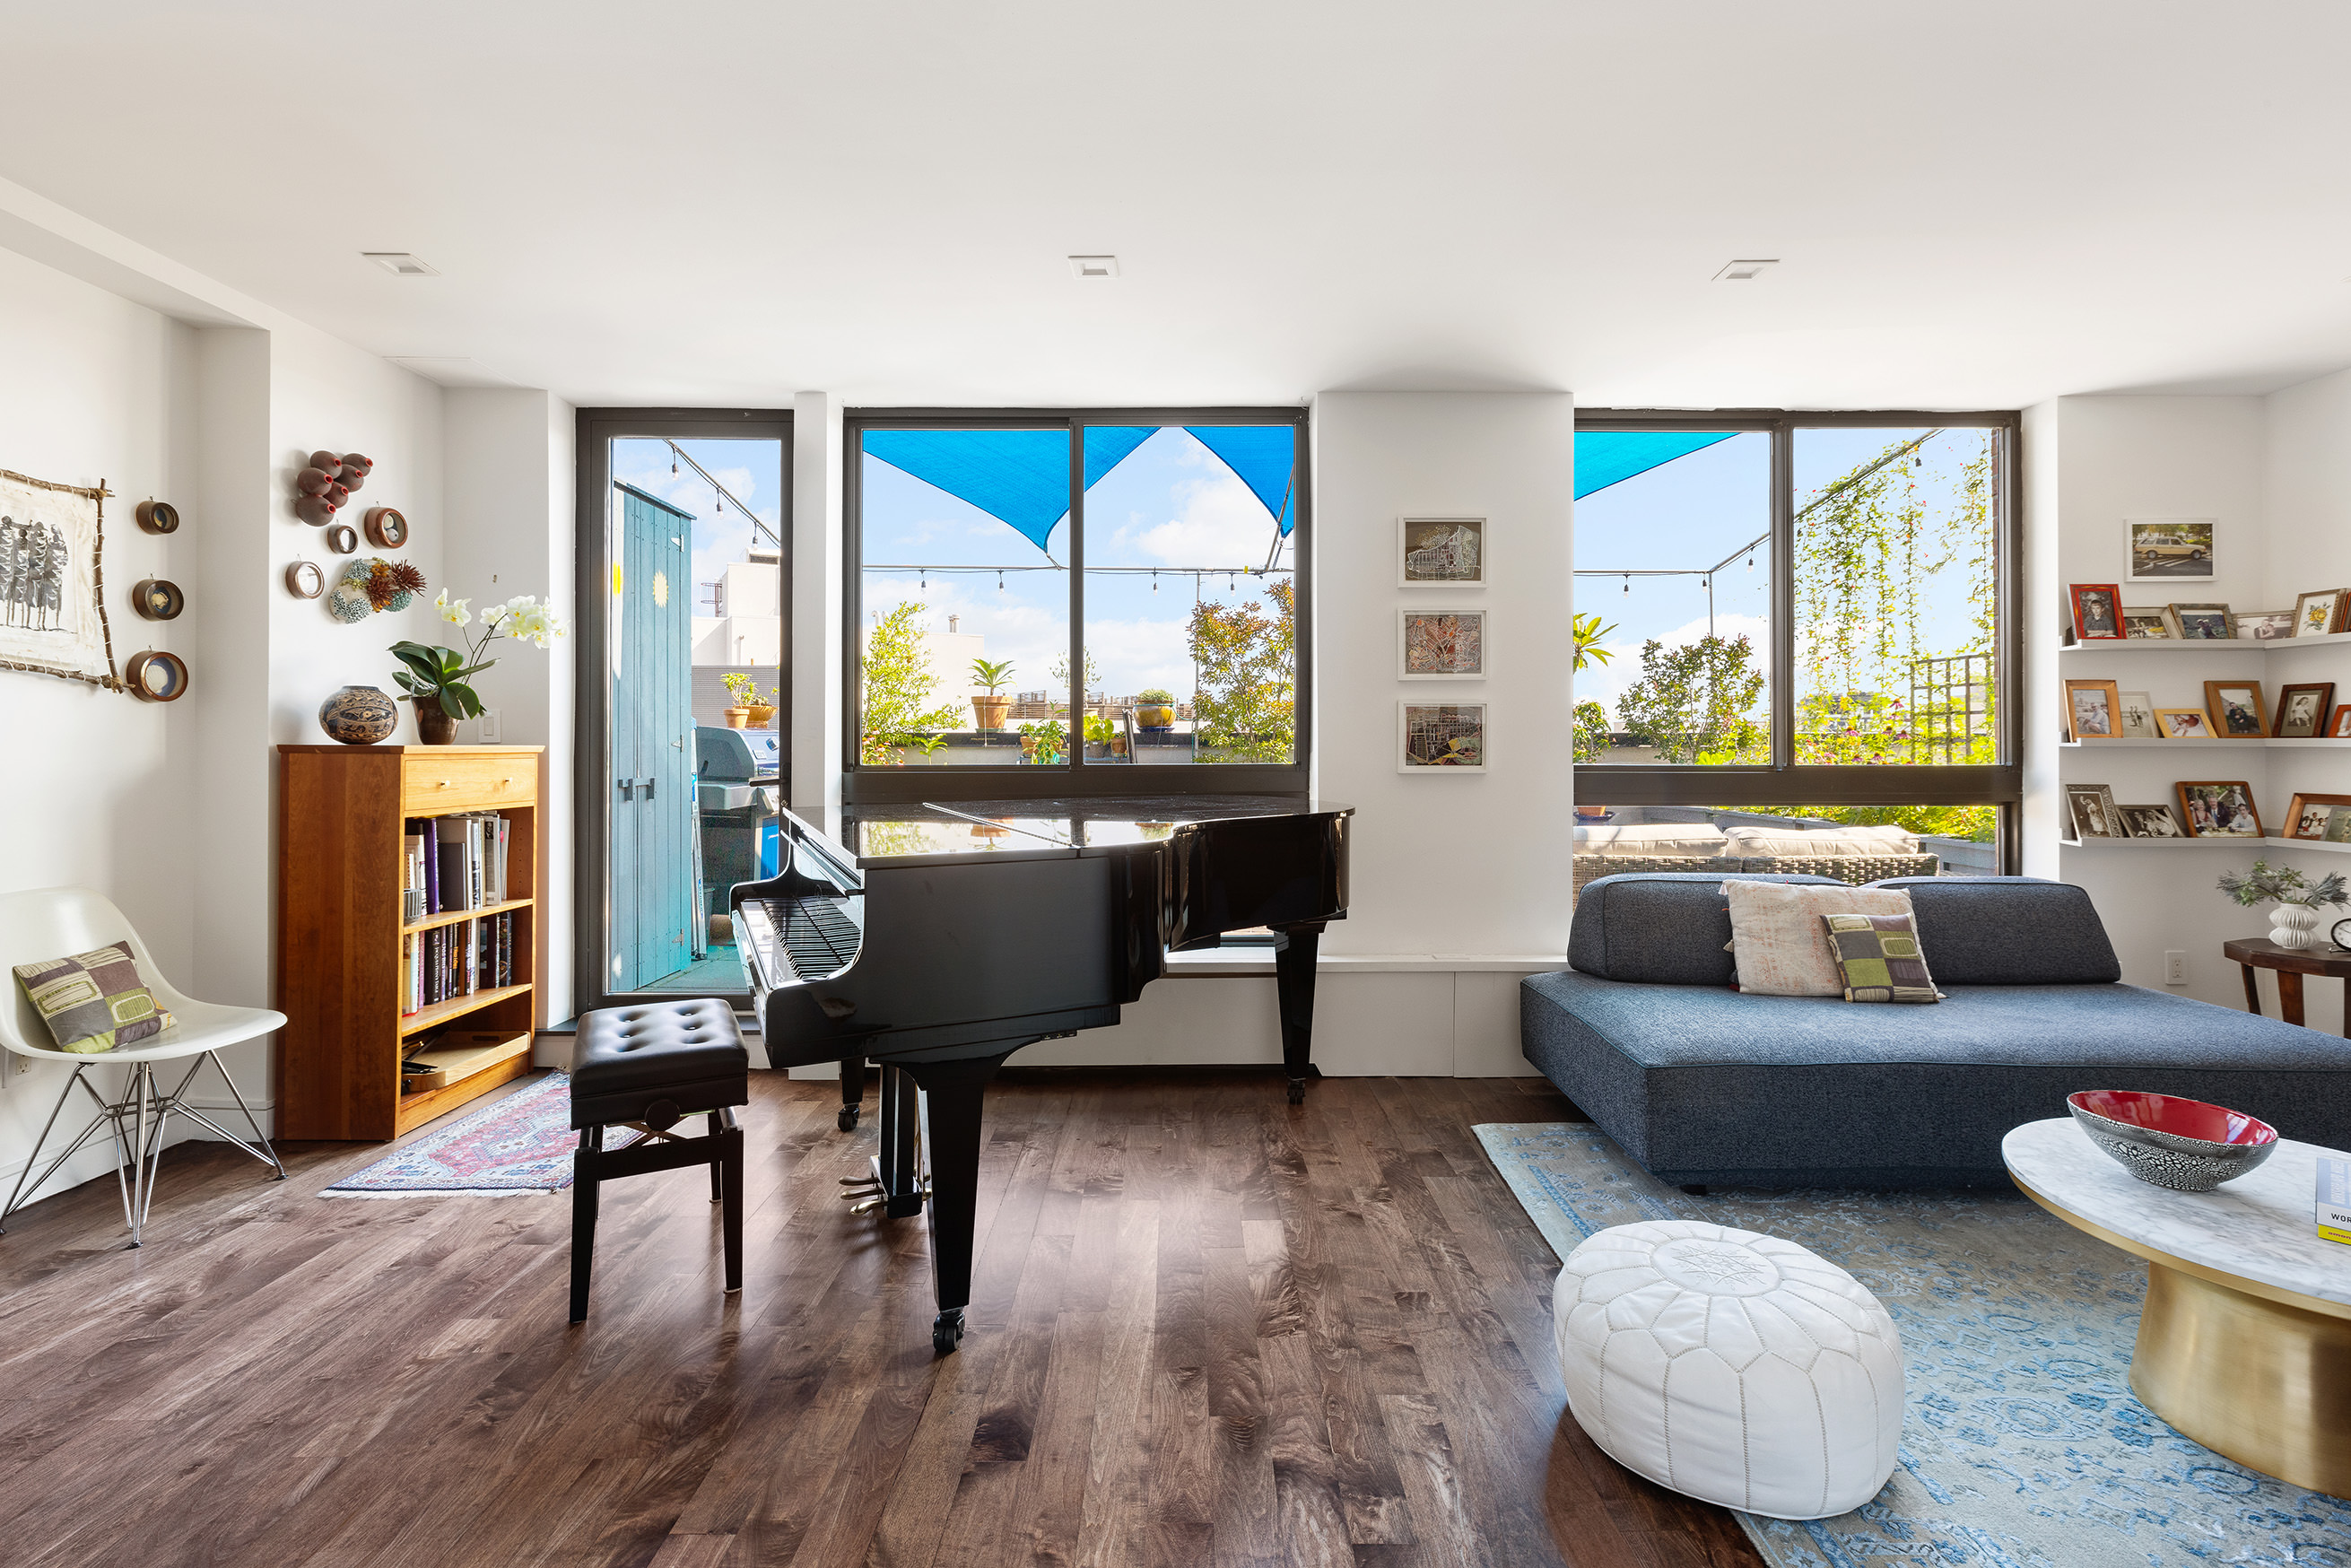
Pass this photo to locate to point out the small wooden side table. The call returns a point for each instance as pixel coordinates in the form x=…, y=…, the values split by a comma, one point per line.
x=2292, y=964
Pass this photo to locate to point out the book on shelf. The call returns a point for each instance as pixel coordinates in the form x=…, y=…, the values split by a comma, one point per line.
x=456, y=862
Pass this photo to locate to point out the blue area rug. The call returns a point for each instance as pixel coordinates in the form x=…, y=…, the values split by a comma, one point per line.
x=2023, y=1446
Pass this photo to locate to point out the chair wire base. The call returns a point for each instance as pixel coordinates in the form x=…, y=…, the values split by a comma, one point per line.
x=137, y=1121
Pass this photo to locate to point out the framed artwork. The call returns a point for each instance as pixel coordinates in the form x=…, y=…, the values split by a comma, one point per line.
x=1440, y=736
x=2263, y=625
x=2137, y=711
x=1441, y=552
x=2097, y=610
x=52, y=590
x=1441, y=645
x=2200, y=622
x=2169, y=549
x=2302, y=709
x=2309, y=815
x=2237, y=710
x=2183, y=724
x=2145, y=620
x=2093, y=809
x=2316, y=615
x=2150, y=821
x=2341, y=728
x=2092, y=710
x=2219, y=809
x=2338, y=826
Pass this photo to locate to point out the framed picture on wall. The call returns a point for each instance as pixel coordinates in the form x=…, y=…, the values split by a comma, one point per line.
x=1441, y=645
x=52, y=585
x=2237, y=709
x=2150, y=821
x=2308, y=816
x=2094, y=710
x=2092, y=807
x=2200, y=622
x=2341, y=728
x=2316, y=615
x=1439, y=736
x=1441, y=552
x=2302, y=709
x=2219, y=809
x=2169, y=549
x=2145, y=620
x=2098, y=612
x=2137, y=715
x=2263, y=625
x=2183, y=724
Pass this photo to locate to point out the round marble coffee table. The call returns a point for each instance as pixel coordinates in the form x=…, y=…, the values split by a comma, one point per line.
x=2245, y=1341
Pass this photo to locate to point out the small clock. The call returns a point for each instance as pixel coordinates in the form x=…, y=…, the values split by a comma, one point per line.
x=158, y=516
x=2340, y=934
x=305, y=581
x=157, y=677
x=343, y=538
x=158, y=601
x=386, y=528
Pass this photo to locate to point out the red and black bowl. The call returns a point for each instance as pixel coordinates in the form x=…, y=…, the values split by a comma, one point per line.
x=2166, y=1141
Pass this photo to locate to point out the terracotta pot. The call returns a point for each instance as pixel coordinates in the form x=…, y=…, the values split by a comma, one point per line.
x=358, y=715
x=760, y=714
x=989, y=711
x=738, y=718
x=433, y=728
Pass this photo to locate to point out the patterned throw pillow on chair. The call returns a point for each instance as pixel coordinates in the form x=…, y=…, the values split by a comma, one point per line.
x=93, y=1001
x=1877, y=955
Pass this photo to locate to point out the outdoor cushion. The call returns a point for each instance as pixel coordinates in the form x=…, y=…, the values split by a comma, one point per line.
x=2009, y=931
x=1700, y=840
x=1668, y=927
x=1757, y=839
x=1777, y=944
x=92, y=1001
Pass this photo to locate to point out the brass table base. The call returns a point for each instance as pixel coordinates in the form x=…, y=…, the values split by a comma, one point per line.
x=2265, y=1383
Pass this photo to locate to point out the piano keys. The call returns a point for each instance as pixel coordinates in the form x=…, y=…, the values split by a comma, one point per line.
x=952, y=937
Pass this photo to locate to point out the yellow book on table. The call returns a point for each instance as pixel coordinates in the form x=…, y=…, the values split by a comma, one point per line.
x=2334, y=1198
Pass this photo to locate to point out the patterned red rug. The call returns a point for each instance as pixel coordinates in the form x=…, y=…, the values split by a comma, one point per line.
x=520, y=1145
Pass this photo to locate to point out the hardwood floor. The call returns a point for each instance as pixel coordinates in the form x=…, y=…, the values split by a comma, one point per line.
x=1208, y=1328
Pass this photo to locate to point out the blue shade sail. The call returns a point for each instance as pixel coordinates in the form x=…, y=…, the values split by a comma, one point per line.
x=1021, y=478
x=1606, y=457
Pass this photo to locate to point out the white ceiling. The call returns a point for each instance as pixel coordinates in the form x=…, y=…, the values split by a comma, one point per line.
x=1977, y=204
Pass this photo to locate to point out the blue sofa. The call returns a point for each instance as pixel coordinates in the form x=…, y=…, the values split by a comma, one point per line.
x=1703, y=1086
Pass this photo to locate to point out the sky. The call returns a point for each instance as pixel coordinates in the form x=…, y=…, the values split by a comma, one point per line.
x=1694, y=511
x=1171, y=503
x=752, y=471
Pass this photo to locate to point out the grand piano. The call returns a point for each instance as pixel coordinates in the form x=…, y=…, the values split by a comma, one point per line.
x=949, y=937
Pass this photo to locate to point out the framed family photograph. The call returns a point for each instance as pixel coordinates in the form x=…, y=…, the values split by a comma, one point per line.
x=2169, y=549
x=2092, y=806
x=2317, y=614
x=2302, y=709
x=2098, y=612
x=2264, y=625
x=2219, y=809
x=2237, y=710
x=2309, y=816
x=2145, y=620
x=2200, y=622
x=1431, y=735
x=1441, y=552
x=2137, y=711
x=2092, y=710
x=2341, y=728
x=2183, y=724
x=1441, y=645
x=2150, y=821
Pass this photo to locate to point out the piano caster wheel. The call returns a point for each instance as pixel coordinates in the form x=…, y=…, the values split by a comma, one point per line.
x=1298, y=1092
x=846, y=1119
x=946, y=1333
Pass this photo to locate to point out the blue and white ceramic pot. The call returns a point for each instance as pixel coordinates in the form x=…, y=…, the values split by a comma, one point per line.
x=358, y=715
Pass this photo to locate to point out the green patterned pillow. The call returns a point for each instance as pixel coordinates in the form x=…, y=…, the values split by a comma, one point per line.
x=1878, y=958
x=93, y=1001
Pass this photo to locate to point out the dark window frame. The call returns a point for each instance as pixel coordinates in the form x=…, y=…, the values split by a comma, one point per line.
x=1785, y=782
x=1075, y=779
x=595, y=430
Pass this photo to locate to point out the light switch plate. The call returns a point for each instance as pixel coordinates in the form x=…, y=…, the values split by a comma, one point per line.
x=489, y=725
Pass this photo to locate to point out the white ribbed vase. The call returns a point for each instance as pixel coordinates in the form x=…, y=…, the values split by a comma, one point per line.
x=2293, y=926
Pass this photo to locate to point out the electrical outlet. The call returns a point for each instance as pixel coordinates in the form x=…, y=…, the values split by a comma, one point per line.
x=2175, y=969
x=489, y=725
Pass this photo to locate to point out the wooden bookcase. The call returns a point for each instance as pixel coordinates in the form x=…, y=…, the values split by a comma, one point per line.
x=340, y=849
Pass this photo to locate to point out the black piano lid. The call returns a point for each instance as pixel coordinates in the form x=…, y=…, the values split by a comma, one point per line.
x=889, y=831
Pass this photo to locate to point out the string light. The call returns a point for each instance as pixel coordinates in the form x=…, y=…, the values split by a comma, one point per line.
x=1155, y=582
x=999, y=582
x=1628, y=585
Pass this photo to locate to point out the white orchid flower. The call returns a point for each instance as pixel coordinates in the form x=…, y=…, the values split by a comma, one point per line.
x=454, y=612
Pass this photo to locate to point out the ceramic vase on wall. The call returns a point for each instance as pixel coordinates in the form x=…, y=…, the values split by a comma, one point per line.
x=358, y=715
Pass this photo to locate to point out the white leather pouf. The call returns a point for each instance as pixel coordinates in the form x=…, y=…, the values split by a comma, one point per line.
x=1736, y=1368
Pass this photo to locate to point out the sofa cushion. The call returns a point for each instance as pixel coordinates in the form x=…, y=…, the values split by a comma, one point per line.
x=1878, y=958
x=1699, y=840
x=1778, y=949
x=1756, y=840
x=1667, y=927
x=2009, y=931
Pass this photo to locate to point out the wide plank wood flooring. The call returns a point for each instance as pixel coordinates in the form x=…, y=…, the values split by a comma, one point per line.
x=1208, y=1328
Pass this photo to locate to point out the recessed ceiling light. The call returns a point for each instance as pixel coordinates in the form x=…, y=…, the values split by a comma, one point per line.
x=400, y=264
x=1745, y=271
x=1093, y=267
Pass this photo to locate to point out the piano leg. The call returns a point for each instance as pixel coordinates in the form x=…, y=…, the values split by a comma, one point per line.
x=898, y=1168
x=1293, y=982
x=852, y=1090
x=952, y=1091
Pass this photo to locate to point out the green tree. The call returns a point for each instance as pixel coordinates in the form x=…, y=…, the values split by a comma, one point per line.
x=1691, y=702
x=1591, y=732
x=898, y=682
x=1246, y=707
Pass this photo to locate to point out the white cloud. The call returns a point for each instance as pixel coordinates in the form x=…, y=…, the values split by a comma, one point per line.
x=1222, y=524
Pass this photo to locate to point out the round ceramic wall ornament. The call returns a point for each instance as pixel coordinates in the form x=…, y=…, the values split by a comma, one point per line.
x=386, y=528
x=343, y=538
x=305, y=581
x=348, y=604
x=156, y=677
x=358, y=715
x=158, y=516
x=158, y=599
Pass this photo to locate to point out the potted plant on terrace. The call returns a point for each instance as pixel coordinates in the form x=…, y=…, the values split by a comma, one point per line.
x=2294, y=922
x=439, y=680
x=1154, y=708
x=989, y=710
x=748, y=712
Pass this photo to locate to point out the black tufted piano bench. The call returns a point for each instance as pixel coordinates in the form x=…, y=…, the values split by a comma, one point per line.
x=649, y=1065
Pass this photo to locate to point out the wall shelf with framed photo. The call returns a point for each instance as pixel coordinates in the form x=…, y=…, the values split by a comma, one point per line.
x=2118, y=744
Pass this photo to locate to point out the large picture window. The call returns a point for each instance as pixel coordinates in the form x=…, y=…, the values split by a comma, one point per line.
x=1098, y=603
x=1801, y=615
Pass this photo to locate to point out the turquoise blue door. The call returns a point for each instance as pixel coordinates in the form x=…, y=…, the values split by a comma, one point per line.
x=651, y=893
